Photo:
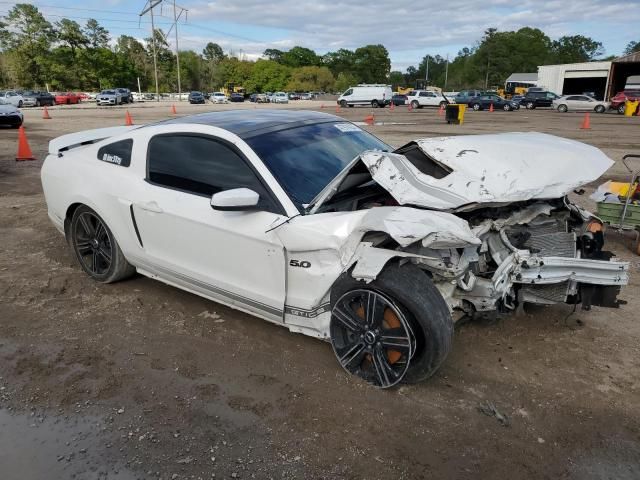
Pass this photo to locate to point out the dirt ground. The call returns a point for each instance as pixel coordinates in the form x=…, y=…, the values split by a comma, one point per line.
x=139, y=380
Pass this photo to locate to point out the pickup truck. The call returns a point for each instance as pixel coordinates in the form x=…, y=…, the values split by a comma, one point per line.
x=425, y=98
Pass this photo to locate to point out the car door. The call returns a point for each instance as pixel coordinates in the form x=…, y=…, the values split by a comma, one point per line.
x=231, y=256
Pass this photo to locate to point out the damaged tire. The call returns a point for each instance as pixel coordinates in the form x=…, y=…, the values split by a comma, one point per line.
x=394, y=329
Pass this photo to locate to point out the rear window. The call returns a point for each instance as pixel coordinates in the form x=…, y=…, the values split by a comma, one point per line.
x=117, y=153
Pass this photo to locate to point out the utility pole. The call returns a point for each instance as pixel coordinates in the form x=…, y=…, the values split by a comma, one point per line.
x=153, y=3
x=486, y=78
x=446, y=72
x=426, y=76
x=176, y=17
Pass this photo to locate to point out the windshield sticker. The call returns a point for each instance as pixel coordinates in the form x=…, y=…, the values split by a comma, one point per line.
x=346, y=127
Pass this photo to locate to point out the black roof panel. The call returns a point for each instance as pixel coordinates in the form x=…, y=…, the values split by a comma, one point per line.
x=252, y=122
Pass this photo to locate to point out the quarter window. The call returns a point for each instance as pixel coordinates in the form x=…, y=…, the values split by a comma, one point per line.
x=202, y=166
x=118, y=153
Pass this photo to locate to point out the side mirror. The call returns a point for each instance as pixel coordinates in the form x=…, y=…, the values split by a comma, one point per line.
x=235, y=200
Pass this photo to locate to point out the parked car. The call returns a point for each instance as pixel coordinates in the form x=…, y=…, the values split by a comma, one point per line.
x=109, y=97
x=293, y=96
x=464, y=96
x=306, y=220
x=236, y=97
x=67, y=98
x=12, y=98
x=398, y=100
x=426, y=98
x=138, y=97
x=580, y=103
x=36, y=98
x=196, y=98
x=306, y=96
x=10, y=114
x=125, y=93
x=517, y=99
x=535, y=99
x=218, y=97
x=485, y=101
x=279, y=97
x=618, y=101
x=364, y=94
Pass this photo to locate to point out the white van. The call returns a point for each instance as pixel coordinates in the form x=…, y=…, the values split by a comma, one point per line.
x=374, y=95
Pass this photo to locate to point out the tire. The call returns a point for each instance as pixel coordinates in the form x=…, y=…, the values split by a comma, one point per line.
x=100, y=244
x=506, y=107
x=37, y=103
x=414, y=294
x=477, y=107
x=621, y=109
x=599, y=109
x=562, y=108
x=530, y=105
x=374, y=104
x=20, y=104
x=415, y=104
x=343, y=103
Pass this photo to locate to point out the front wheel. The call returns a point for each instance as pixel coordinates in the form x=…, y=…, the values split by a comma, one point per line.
x=37, y=103
x=562, y=108
x=415, y=104
x=96, y=248
x=343, y=103
x=476, y=106
x=599, y=109
x=394, y=329
x=507, y=108
x=530, y=105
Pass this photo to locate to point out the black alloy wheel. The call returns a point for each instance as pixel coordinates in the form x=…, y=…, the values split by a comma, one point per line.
x=93, y=244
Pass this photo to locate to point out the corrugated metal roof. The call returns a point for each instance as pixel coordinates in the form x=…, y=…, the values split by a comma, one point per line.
x=523, y=77
x=632, y=57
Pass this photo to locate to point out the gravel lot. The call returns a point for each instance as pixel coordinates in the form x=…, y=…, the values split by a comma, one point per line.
x=142, y=380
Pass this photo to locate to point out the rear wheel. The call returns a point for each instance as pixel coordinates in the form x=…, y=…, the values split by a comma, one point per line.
x=599, y=109
x=621, y=109
x=562, y=108
x=396, y=328
x=96, y=248
x=415, y=104
x=374, y=104
x=506, y=107
x=37, y=103
x=476, y=106
x=530, y=105
x=20, y=104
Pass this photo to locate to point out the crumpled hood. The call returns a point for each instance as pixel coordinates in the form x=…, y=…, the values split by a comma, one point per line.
x=476, y=170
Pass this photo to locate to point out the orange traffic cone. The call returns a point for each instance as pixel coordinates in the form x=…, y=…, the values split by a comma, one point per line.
x=173, y=109
x=586, y=123
x=128, y=121
x=338, y=109
x=322, y=106
x=24, y=151
x=369, y=119
x=392, y=107
x=441, y=110
x=491, y=107
x=45, y=114
x=409, y=107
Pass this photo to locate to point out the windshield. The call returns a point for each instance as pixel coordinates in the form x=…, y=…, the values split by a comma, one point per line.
x=108, y=92
x=305, y=159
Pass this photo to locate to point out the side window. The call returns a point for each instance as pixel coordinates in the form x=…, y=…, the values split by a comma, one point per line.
x=348, y=92
x=118, y=153
x=202, y=166
x=424, y=94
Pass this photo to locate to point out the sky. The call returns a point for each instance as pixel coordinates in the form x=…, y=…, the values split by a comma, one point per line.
x=247, y=27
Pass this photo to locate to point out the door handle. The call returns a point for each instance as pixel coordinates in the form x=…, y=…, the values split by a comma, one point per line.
x=150, y=207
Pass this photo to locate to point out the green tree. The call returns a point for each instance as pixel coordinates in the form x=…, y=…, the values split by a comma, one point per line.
x=307, y=79
x=345, y=80
x=576, y=48
x=340, y=61
x=300, y=57
x=27, y=37
x=273, y=54
x=632, y=47
x=372, y=64
x=396, y=79
x=97, y=36
x=267, y=76
x=213, y=52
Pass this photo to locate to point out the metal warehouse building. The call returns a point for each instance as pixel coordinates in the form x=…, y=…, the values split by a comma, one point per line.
x=603, y=79
x=576, y=78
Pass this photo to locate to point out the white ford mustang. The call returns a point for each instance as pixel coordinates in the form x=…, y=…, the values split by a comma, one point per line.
x=305, y=220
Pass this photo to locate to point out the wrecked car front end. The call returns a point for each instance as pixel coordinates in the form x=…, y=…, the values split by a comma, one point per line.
x=520, y=240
